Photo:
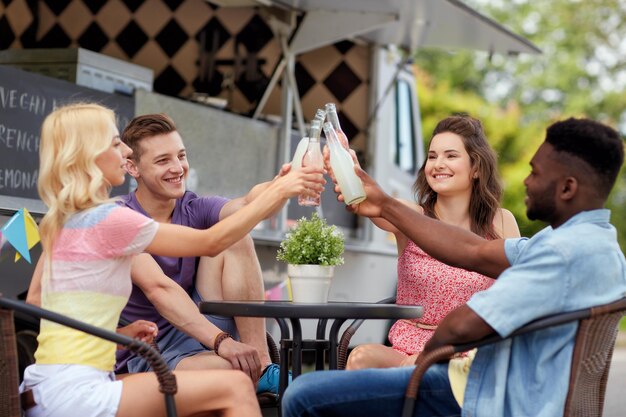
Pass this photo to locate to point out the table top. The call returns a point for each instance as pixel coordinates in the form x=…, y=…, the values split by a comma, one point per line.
x=330, y=310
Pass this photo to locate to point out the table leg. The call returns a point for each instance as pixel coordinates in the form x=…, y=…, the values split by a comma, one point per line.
x=332, y=338
x=296, y=355
x=283, y=380
x=319, y=353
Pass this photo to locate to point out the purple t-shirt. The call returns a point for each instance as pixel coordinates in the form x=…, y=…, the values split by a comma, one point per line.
x=192, y=211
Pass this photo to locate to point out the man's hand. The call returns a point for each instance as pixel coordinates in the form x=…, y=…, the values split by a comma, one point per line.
x=143, y=330
x=242, y=357
x=376, y=197
x=329, y=169
x=307, y=181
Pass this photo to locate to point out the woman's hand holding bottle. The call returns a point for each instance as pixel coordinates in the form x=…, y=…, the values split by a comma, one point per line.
x=312, y=157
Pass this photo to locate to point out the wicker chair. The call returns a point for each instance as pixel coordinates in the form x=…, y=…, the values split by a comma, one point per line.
x=268, y=400
x=344, y=342
x=9, y=398
x=593, y=350
x=9, y=379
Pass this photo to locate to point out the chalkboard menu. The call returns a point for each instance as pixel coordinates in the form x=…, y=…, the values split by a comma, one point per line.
x=25, y=100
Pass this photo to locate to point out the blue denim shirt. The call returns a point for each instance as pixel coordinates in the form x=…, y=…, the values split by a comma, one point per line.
x=574, y=266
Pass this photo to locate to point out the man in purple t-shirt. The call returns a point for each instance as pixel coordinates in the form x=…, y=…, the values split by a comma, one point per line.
x=166, y=290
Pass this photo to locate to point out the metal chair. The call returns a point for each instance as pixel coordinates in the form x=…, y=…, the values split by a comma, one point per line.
x=591, y=359
x=9, y=378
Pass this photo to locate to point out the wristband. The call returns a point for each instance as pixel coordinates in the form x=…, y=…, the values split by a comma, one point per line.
x=221, y=336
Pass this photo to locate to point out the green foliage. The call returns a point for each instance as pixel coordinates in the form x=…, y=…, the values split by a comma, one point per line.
x=581, y=73
x=312, y=242
x=514, y=142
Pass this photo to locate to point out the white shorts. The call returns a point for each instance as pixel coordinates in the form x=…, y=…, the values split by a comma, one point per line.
x=72, y=390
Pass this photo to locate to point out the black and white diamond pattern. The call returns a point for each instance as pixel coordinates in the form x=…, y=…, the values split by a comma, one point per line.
x=171, y=38
x=94, y=5
x=93, y=38
x=233, y=63
x=131, y=39
x=6, y=33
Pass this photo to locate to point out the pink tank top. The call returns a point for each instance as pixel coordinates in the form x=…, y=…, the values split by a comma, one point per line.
x=439, y=288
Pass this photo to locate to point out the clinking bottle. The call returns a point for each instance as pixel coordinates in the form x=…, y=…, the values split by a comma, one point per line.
x=320, y=115
x=296, y=162
x=312, y=157
x=343, y=167
x=331, y=115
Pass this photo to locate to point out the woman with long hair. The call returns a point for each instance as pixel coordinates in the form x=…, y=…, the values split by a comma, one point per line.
x=89, y=242
x=457, y=184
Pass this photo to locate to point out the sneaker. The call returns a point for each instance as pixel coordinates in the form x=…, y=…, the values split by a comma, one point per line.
x=270, y=379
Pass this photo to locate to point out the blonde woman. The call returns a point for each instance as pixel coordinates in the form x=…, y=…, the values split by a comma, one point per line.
x=89, y=242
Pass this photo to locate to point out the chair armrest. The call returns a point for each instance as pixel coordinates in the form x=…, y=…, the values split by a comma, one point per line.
x=167, y=380
x=272, y=348
x=346, y=336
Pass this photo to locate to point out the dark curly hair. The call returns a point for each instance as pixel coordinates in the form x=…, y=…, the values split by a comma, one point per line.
x=592, y=142
x=486, y=189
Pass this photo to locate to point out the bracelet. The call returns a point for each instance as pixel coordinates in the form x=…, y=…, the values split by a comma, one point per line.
x=221, y=336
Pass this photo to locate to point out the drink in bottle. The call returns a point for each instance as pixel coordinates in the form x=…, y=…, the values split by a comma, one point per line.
x=331, y=115
x=343, y=167
x=312, y=157
x=296, y=162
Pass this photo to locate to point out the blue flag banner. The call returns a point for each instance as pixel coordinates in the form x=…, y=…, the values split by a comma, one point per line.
x=22, y=233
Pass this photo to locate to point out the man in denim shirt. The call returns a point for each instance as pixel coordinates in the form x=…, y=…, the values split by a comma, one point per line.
x=574, y=263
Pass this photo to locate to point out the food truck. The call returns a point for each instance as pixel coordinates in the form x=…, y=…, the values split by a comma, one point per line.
x=242, y=79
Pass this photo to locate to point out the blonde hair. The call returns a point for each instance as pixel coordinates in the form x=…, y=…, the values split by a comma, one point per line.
x=72, y=137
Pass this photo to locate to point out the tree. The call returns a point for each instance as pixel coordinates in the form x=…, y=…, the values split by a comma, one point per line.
x=581, y=72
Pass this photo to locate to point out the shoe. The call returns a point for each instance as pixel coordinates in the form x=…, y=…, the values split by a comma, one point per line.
x=270, y=379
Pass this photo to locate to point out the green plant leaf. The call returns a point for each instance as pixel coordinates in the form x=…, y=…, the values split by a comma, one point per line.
x=312, y=242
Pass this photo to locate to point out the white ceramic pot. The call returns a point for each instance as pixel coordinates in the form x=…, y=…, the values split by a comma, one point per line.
x=310, y=283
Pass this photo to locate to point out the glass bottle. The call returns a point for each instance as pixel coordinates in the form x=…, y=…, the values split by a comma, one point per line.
x=331, y=115
x=343, y=168
x=320, y=115
x=312, y=157
x=296, y=162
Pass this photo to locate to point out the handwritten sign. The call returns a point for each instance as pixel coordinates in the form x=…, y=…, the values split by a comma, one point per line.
x=25, y=100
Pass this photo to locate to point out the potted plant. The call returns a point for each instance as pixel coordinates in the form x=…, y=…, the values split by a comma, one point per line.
x=311, y=249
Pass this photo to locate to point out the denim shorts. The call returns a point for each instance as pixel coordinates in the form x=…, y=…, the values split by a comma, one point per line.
x=176, y=345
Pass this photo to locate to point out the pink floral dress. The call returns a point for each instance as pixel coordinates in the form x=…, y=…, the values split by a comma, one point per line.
x=439, y=288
